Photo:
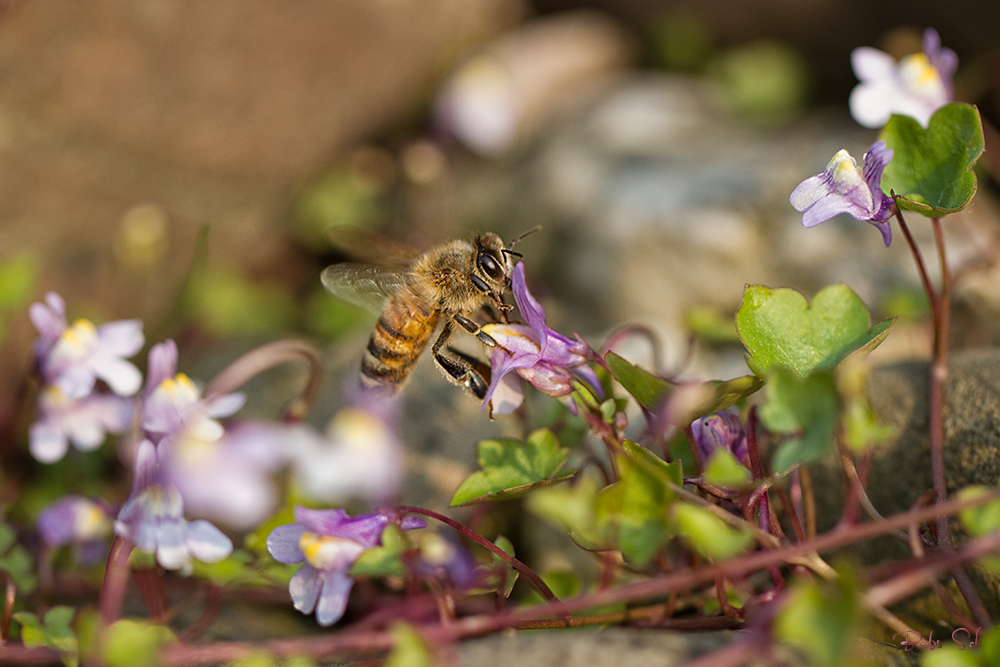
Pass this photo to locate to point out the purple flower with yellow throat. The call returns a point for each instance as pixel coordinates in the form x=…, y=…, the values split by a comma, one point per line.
x=844, y=188
x=327, y=542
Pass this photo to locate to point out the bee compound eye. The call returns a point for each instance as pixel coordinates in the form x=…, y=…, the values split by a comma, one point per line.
x=489, y=266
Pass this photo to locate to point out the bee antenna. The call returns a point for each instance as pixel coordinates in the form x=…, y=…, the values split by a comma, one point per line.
x=508, y=252
x=511, y=246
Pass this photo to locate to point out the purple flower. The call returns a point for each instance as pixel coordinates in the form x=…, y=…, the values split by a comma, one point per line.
x=545, y=358
x=83, y=421
x=73, y=358
x=79, y=521
x=327, y=542
x=361, y=455
x=153, y=519
x=916, y=86
x=724, y=431
x=844, y=188
x=174, y=406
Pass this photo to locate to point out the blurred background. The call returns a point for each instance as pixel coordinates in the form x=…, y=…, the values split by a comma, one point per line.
x=188, y=163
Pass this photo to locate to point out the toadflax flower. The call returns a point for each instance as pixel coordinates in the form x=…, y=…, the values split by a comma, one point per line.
x=360, y=456
x=545, y=358
x=153, y=519
x=723, y=430
x=844, y=188
x=79, y=521
x=73, y=357
x=916, y=86
x=327, y=542
x=83, y=421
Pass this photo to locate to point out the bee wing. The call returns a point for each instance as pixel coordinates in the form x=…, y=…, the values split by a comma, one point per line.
x=363, y=245
x=365, y=285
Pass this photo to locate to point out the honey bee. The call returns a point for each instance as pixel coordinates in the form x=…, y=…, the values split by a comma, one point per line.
x=451, y=282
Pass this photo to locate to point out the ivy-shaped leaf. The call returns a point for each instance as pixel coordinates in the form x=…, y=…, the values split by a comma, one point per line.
x=511, y=468
x=821, y=619
x=53, y=631
x=931, y=169
x=635, y=507
x=573, y=508
x=780, y=328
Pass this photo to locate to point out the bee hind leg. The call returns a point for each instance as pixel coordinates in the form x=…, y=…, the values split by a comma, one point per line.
x=459, y=367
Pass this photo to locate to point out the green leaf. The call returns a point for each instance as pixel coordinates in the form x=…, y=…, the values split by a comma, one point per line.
x=409, y=648
x=821, y=619
x=709, y=534
x=931, y=170
x=635, y=507
x=981, y=519
x=720, y=395
x=511, y=468
x=724, y=470
x=572, y=507
x=54, y=632
x=648, y=389
x=804, y=409
x=129, y=643
x=779, y=328
x=950, y=655
x=385, y=560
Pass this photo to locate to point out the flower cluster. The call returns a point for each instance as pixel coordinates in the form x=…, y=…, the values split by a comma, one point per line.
x=328, y=542
x=544, y=358
x=70, y=360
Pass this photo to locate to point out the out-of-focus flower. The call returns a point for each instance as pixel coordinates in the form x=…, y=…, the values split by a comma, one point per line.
x=328, y=542
x=83, y=421
x=174, y=405
x=724, y=431
x=447, y=560
x=545, y=358
x=844, y=188
x=73, y=358
x=916, y=86
x=230, y=480
x=361, y=455
x=153, y=519
x=79, y=521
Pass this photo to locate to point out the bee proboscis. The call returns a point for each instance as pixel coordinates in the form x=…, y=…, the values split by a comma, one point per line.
x=451, y=282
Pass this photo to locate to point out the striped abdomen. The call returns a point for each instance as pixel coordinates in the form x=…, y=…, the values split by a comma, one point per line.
x=399, y=337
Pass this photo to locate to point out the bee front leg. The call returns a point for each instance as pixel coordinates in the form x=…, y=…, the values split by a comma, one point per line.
x=476, y=331
x=460, y=367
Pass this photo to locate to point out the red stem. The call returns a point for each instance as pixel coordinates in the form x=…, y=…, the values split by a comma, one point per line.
x=528, y=573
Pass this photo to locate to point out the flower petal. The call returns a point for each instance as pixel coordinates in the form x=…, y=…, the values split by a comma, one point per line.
x=283, y=543
x=207, y=543
x=305, y=586
x=47, y=442
x=333, y=598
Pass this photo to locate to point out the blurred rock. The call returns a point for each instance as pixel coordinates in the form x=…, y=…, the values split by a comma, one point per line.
x=506, y=93
x=267, y=88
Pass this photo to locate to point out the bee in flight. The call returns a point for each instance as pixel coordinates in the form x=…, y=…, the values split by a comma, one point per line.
x=452, y=282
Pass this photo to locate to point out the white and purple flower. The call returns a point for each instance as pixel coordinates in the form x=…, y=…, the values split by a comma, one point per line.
x=153, y=519
x=328, y=542
x=916, y=86
x=546, y=359
x=844, y=188
x=83, y=421
x=361, y=455
x=73, y=357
